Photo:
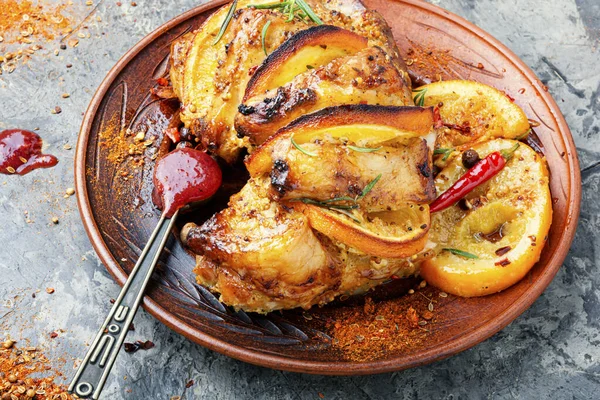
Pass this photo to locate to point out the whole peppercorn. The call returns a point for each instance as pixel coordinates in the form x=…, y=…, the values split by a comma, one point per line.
x=30, y=393
x=12, y=378
x=5, y=396
x=470, y=158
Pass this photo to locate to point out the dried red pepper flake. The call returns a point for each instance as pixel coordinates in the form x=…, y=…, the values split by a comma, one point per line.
x=162, y=81
x=53, y=335
x=503, y=250
x=502, y=263
x=189, y=384
x=173, y=134
x=437, y=118
x=412, y=317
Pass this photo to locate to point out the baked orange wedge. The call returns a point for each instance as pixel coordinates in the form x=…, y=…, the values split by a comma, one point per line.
x=305, y=50
x=472, y=112
x=391, y=234
x=499, y=237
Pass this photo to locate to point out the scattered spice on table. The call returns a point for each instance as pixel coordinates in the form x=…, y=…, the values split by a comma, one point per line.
x=26, y=26
x=26, y=373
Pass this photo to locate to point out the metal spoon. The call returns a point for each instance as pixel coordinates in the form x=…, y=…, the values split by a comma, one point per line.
x=182, y=178
x=100, y=357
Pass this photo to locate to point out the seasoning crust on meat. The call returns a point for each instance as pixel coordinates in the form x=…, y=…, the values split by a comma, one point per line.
x=343, y=189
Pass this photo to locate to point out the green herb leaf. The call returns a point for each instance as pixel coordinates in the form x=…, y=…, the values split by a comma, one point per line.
x=226, y=22
x=309, y=12
x=369, y=187
x=446, y=152
x=349, y=215
x=264, y=35
x=461, y=253
x=296, y=145
x=269, y=6
x=364, y=149
x=336, y=199
x=419, y=98
x=310, y=67
x=291, y=7
x=324, y=204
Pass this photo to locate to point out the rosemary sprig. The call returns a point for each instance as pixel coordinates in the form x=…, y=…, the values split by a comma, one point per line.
x=369, y=187
x=446, y=152
x=325, y=204
x=349, y=215
x=305, y=8
x=291, y=8
x=341, y=208
x=336, y=199
x=364, y=149
x=297, y=146
x=225, y=24
x=264, y=35
x=461, y=253
x=268, y=6
x=419, y=98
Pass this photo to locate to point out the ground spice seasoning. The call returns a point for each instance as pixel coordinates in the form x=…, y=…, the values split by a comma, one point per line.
x=25, y=373
x=384, y=327
x=26, y=26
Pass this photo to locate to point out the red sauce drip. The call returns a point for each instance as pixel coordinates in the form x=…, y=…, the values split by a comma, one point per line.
x=21, y=152
x=182, y=177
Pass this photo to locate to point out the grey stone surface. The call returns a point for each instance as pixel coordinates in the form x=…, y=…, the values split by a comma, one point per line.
x=551, y=351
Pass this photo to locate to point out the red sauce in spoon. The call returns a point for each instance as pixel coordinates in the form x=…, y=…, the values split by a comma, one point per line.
x=21, y=152
x=182, y=177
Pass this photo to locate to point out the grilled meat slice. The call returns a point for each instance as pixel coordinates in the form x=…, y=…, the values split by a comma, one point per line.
x=338, y=171
x=367, y=77
x=263, y=256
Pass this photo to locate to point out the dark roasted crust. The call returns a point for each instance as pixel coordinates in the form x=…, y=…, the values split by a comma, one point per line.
x=320, y=35
x=413, y=119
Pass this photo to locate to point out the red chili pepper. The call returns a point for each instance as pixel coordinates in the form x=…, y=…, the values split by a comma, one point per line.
x=480, y=173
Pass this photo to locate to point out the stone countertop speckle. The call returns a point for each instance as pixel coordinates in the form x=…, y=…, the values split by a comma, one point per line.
x=551, y=351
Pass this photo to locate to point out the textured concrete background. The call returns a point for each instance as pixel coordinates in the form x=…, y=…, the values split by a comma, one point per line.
x=551, y=351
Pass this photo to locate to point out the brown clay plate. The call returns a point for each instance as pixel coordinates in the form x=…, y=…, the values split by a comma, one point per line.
x=115, y=205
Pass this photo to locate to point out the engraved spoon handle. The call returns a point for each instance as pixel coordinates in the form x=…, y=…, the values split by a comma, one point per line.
x=100, y=357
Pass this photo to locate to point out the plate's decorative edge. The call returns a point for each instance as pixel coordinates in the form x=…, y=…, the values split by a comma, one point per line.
x=329, y=368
